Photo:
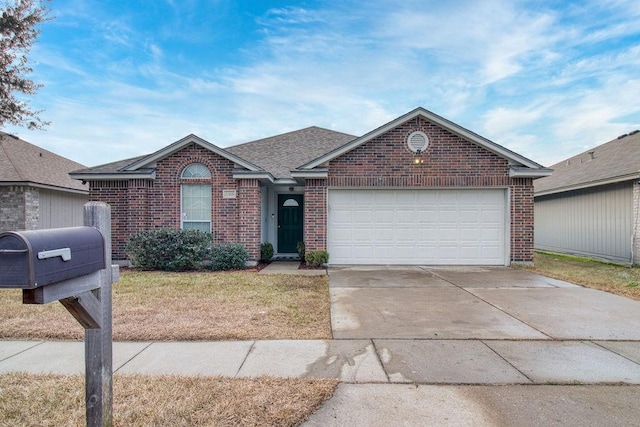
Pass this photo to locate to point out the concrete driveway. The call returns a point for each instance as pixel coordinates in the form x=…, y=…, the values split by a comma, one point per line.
x=462, y=325
x=473, y=303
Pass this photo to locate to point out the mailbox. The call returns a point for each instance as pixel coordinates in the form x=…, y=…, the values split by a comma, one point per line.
x=30, y=259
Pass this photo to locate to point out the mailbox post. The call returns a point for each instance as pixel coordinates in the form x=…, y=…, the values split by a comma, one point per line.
x=73, y=266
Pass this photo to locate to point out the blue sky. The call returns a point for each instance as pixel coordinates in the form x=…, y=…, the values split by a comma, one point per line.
x=547, y=79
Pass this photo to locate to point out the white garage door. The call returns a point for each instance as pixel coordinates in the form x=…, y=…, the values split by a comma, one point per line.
x=423, y=227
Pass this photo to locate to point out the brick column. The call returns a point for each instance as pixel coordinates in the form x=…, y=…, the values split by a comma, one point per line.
x=521, y=220
x=12, y=208
x=249, y=216
x=315, y=214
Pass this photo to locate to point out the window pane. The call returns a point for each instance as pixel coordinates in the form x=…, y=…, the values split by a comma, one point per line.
x=196, y=170
x=196, y=204
x=202, y=226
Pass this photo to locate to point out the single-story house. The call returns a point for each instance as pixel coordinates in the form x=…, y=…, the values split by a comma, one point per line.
x=36, y=191
x=417, y=190
x=589, y=206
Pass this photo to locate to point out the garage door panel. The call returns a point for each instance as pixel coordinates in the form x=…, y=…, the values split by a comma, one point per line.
x=408, y=216
x=417, y=227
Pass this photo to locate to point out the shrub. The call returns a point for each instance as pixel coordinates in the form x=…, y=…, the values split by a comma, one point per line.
x=266, y=252
x=316, y=258
x=301, y=249
x=169, y=250
x=228, y=256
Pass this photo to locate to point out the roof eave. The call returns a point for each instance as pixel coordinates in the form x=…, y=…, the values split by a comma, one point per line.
x=265, y=177
x=310, y=173
x=520, y=172
x=112, y=176
x=622, y=178
x=45, y=186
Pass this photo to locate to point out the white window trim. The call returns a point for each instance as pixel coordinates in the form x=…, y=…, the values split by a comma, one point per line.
x=182, y=213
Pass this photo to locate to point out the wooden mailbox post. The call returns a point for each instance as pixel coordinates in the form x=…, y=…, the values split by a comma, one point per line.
x=72, y=266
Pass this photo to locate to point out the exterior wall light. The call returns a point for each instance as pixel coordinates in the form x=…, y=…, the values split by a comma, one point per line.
x=417, y=159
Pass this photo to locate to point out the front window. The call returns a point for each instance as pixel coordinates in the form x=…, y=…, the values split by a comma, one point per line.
x=196, y=199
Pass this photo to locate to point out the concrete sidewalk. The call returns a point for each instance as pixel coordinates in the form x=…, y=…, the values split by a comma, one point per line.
x=353, y=361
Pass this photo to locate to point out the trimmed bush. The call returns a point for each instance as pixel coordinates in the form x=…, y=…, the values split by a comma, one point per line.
x=169, y=249
x=301, y=249
x=316, y=258
x=266, y=252
x=228, y=256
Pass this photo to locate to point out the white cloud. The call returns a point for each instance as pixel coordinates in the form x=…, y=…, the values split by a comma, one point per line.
x=504, y=120
x=536, y=80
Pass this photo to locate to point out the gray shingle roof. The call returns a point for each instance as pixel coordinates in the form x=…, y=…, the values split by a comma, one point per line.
x=281, y=153
x=22, y=162
x=109, y=168
x=615, y=160
x=277, y=155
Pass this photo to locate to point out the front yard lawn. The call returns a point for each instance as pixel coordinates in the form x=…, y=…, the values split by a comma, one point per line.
x=58, y=400
x=160, y=306
x=613, y=278
x=177, y=306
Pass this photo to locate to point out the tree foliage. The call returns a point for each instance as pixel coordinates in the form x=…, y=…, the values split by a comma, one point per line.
x=19, y=22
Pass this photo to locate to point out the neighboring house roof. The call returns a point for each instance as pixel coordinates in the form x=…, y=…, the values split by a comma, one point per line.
x=281, y=153
x=27, y=164
x=615, y=161
x=520, y=166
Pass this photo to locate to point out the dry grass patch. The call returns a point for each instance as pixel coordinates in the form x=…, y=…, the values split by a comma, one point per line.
x=57, y=400
x=613, y=278
x=188, y=306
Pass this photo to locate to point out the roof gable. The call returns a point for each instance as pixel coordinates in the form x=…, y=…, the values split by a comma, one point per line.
x=519, y=161
x=614, y=161
x=151, y=159
x=25, y=163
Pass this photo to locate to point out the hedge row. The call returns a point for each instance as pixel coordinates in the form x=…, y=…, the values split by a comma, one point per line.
x=181, y=250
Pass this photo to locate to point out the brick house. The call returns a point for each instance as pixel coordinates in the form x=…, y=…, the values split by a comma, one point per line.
x=417, y=190
x=36, y=191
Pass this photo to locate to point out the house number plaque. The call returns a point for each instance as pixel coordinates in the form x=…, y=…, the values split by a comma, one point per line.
x=229, y=194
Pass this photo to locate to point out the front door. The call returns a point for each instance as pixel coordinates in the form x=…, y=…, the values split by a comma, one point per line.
x=290, y=222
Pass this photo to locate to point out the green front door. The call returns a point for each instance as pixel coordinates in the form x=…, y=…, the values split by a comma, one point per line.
x=290, y=222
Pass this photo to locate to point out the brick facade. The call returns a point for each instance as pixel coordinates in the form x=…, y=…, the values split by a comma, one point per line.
x=146, y=204
x=249, y=216
x=383, y=162
x=19, y=207
x=315, y=214
x=448, y=161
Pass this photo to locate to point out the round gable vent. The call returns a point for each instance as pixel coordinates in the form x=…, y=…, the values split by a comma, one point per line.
x=417, y=142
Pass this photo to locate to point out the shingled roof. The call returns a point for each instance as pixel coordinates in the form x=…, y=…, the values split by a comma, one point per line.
x=280, y=154
x=614, y=161
x=277, y=155
x=28, y=164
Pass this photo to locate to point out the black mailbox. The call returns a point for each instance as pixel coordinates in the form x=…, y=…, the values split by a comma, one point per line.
x=30, y=259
